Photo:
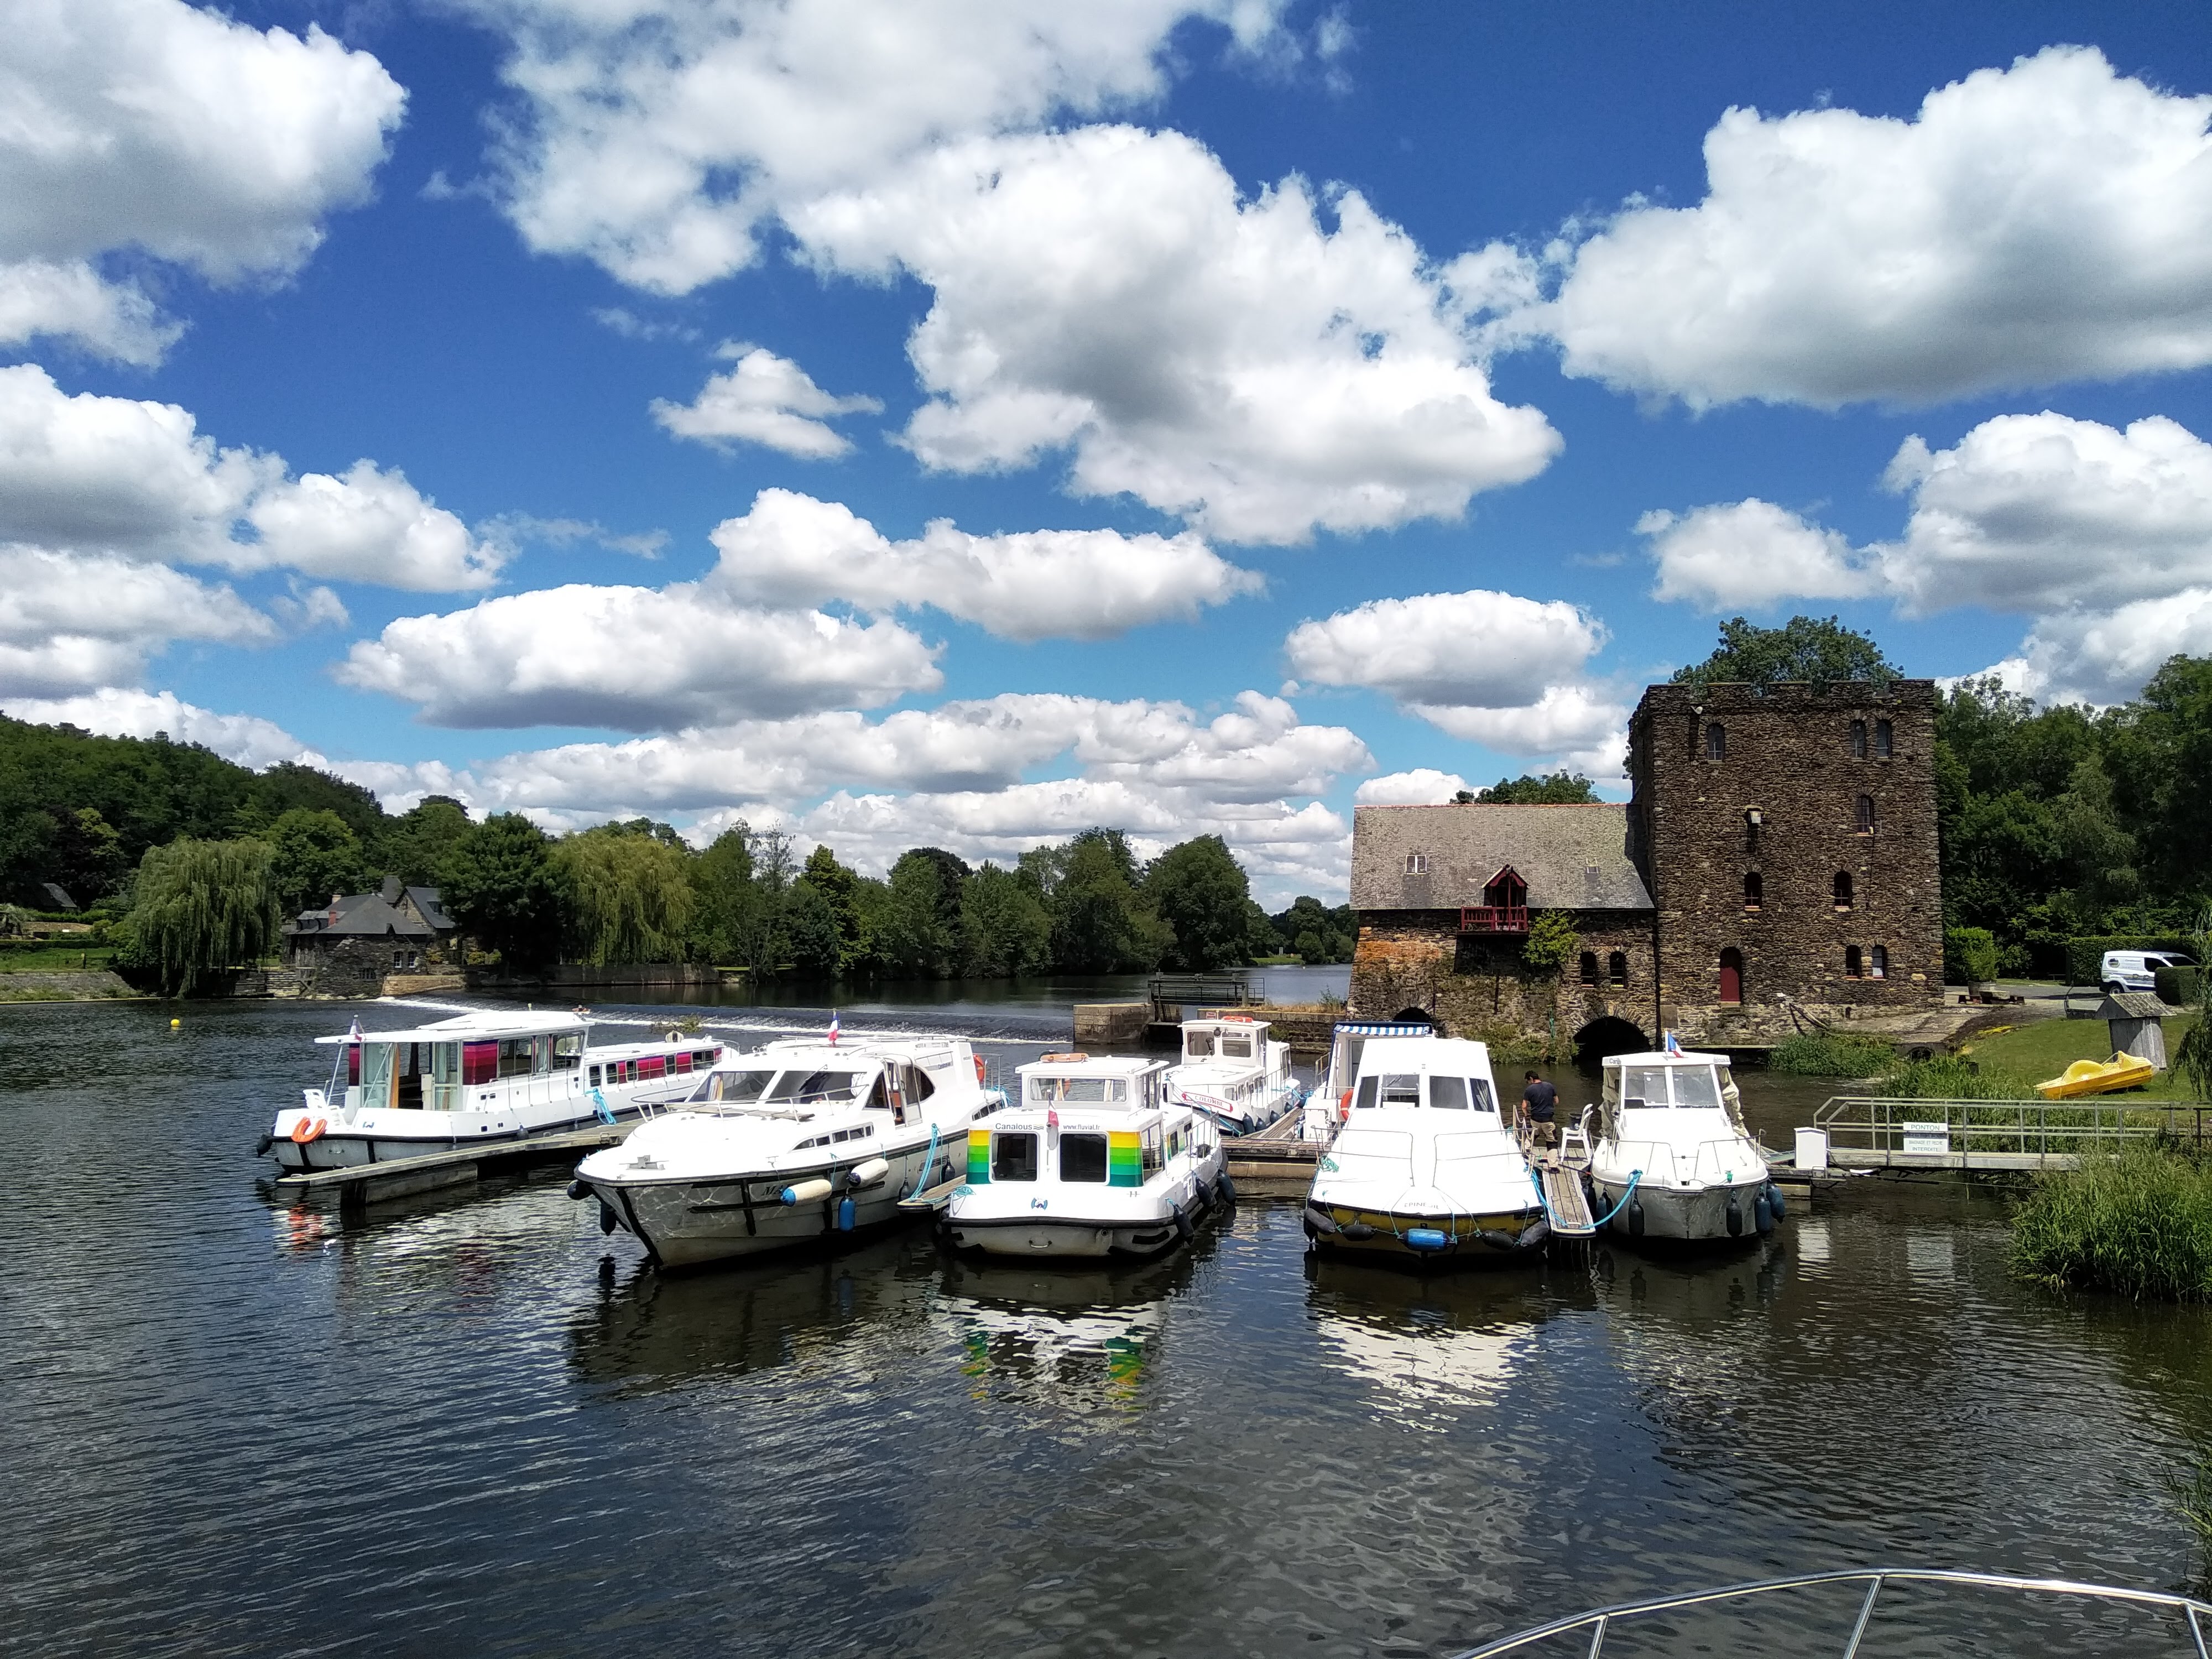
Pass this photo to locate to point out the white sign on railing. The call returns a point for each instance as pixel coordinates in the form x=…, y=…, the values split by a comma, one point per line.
x=1929, y=1139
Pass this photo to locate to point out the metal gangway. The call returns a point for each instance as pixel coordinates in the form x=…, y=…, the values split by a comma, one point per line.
x=1867, y=1132
x=1772, y=1614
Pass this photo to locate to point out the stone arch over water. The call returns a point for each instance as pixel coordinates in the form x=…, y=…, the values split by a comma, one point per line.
x=1609, y=1035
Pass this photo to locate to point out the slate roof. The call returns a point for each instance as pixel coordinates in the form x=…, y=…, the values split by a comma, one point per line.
x=1573, y=857
x=376, y=916
x=2135, y=1005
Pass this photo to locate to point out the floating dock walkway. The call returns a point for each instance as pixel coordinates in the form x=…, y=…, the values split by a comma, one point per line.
x=361, y=1184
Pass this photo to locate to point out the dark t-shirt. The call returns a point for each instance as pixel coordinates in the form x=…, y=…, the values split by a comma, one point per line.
x=1540, y=1097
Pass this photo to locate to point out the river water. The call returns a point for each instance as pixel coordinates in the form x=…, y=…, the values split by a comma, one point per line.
x=478, y=1427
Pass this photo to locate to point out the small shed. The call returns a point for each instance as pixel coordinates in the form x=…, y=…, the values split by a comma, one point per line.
x=2133, y=1017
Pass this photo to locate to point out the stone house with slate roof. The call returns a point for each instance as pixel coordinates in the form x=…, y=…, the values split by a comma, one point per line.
x=1776, y=862
x=356, y=939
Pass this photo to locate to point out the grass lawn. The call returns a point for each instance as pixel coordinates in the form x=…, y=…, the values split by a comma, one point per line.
x=2045, y=1048
x=45, y=959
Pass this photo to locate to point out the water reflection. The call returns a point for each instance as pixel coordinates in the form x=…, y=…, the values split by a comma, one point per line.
x=1082, y=1337
x=846, y=1312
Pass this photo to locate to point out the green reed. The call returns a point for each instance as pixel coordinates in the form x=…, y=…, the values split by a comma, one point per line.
x=2138, y=1223
x=1832, y=1053
x=1950, y=1077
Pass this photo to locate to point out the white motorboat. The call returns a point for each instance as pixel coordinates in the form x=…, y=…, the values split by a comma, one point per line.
x=1670, y=1158
x=480, y=1077
x=1235, y=1072
x=1330, y=1102
x=1092, y=1160
x=801, y=1140
x=1426, y=1166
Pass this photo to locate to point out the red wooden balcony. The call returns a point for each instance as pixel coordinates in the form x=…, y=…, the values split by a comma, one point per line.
x=1493, y=919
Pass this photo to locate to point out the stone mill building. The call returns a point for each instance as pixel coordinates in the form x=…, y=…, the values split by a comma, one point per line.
x=1776, y=861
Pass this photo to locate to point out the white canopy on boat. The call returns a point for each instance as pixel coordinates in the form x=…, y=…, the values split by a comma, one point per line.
x=476, y=1028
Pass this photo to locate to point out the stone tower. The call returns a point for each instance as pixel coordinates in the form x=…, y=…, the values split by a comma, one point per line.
x=1787, y=833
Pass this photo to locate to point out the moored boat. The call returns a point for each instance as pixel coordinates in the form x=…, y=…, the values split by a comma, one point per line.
x=1671, y=1158
x=804, y=1139
x=475, y=1079
x=1425, y=1168
x=1236, y=1073
x=1092, y=1160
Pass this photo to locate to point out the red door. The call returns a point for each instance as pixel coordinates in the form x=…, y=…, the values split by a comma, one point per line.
x=1731, y=975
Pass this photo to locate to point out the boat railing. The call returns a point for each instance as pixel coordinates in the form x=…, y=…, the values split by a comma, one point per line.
x=2192, y=1620
x=1897, y=1127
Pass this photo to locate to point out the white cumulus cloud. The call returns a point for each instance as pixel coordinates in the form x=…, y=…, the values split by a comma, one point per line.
x=634, y=658
x=656, y=136
x=2030, y=225
x=70, y=622
x=155, y=126
x=1106, y=291
x=138, y=479
x=766, y=399
x=1423, y=786
x=1751, y=553
x=791, y=549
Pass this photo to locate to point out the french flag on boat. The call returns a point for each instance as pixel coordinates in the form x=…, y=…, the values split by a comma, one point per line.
x=1674, y=1044
x=832, y=1028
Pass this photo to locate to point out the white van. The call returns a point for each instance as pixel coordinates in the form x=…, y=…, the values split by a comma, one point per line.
x=2136, y=971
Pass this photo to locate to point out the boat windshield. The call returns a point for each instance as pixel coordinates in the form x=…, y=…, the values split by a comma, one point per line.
x=1643, y=1087
x=1390, y=1089
x=804, y=1088
x=1078, y=1090
x=739, y=1088
x=1198, y=1045
x=1236, y=1045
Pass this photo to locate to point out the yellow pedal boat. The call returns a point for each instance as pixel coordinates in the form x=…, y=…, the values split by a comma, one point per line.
x=2098, y=1076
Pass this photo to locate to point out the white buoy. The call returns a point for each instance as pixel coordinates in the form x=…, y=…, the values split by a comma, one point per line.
x=807, y=1192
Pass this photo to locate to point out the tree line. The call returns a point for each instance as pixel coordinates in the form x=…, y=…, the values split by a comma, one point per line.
x=196, y=861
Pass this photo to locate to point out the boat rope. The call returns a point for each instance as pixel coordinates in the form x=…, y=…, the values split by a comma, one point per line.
x=1634, y=1176
x=928, y=1164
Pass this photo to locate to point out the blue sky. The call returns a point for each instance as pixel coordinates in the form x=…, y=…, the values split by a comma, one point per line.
x=1319, y=403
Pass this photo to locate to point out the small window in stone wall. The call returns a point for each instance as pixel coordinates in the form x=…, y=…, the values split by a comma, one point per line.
x=1865, y=817
x=1616, y=967
x=1417, y=864
x=1754, y=890
x=1843, y=889
x=1752, y=818
x=1589, y=967
x=1858, y=740
x=1716, y=741
x=1852, y=966
x=1878, y=962
x=1885, y=739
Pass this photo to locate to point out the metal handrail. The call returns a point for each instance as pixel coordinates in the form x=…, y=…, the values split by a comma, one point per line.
x=1598, y=1620
x=1880, y=1119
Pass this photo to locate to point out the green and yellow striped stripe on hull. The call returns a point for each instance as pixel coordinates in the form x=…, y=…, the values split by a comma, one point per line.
x=978, y=1158
x=1125, y=1159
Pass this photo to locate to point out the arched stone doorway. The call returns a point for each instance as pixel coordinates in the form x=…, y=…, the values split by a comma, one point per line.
x=1413, y=1016
x=1609, y=1035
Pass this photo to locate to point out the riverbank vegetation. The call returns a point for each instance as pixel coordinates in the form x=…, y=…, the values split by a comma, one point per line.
x=2138, y=1224
x=2041, y=1049
x=1833, y=1054
x=190, y=863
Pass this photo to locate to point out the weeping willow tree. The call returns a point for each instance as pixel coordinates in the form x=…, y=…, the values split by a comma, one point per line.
x=629, y=897
x=202, y=905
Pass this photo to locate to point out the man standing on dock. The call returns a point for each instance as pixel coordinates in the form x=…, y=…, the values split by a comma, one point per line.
x=1540, y=1103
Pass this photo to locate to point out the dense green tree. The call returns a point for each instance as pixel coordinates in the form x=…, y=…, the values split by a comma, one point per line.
x=84, y=855
x=1006, y=928
x=1803, y=648
x=499, y=886
x=200, y=906
x=918, y=930
x=1316, y=932
x=626, y=895
x=415, y=846
x=1552, y=789
x=1100, y=921
x=317, y=855
x=1198, y=891
x=730, y=916
x=288, y=786
x=851, y=904
x=808, y=937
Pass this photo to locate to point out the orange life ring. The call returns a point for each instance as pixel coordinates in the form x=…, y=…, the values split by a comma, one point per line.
x=1344, y=1105
x=979, y=1070
x=303, y=1131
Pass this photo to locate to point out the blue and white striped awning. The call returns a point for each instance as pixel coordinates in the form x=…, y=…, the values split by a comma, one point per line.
x=1392, y=1029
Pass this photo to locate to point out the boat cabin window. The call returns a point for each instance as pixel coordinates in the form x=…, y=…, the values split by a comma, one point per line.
x=1694, y=1086
x=1079, y=1090
x=376, y=1074
x=1643, y=1087
x=518, y=1056
x=1013, y=1157
x=445, y=1077
x=1198, y=1045
x=1155, y=1086
x=1235, y=1047
x=737, y=1088
x=568, y=1051
x=1448, y=1092
x=479, y=1063
x=806, y=1088
x=1153, y=1150
x=1083, y=1157
x=414, y=1075
x=1401, y=1089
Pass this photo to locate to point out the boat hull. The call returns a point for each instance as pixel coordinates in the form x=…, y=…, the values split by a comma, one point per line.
x=1074, y=1237
x=695, y=1221
x=1696, y=1215
x=1515, y=1234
